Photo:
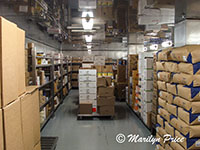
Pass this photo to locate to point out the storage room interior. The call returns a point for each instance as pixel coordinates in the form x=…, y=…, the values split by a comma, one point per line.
x=100, y=74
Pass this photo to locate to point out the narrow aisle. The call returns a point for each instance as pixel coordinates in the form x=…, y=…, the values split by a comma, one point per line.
x=94, y=134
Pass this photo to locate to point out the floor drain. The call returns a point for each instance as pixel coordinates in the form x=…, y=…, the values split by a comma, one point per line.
x=49, y=143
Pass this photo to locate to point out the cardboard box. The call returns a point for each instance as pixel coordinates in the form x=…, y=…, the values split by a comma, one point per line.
x=74, y=75
x=106, y=110
x=13, y=62
x=75, y=68
x=121, y=73
x=83, y=97
x=1, y=131
x=13, y=126
x=106, y=91
x=87, y=78
x=88, y=58
x=87, y=72
x=37, y=147
x=85, y=108
x=120, y=90
x=87, y=84
x=106, y=101
x=101, y=82
x=108, y=81
x=87, y=90
x=87, y=65
x=74, y=83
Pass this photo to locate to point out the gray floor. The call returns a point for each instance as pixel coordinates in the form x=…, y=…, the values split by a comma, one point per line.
x=94, y=134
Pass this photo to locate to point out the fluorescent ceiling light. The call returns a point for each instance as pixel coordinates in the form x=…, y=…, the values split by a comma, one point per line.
x=154, y=47
x=166, y=44
x=89, y=46
x=89, y=50
x=88, y=38
x=87, y=20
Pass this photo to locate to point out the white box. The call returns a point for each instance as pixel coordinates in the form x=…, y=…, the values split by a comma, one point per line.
x=100, y=58
x=88, y=58
x=99, y=63
x=86, y=101
x=147, y=74
x=148, y=63
x=87, y=84
x=147, y=84
x=146, y=107
x=87, y=97
x=147, y=96
x=87, y=78
x=87, y=65
x=87, y=90
x=87, y=72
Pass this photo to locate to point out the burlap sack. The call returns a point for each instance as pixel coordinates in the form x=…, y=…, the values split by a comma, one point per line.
x=190, y=144
x=164, y=114
x=168, y=147
x=172, y=109
x=164, y=76
x=164, y=54
x=161, y=139
x=192, y=107
x=189, y=118
x=160, y=121
x=169, y=129
x=161, y=131
x=166, y=96
x=159, y=147
x=160, y=66
x=176, y=146
x=185, y=129
x=171, y=67
x=162, y=103
x=171, y=88
x=189, y=93
x=182, y=78
x=189, y=53
x=196, y=82
x=161, y=85
x=189, y=68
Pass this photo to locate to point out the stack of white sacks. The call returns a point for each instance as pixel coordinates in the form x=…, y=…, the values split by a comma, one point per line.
x=179, y=98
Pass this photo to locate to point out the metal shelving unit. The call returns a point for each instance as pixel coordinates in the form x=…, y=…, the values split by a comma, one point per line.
x=48, y=89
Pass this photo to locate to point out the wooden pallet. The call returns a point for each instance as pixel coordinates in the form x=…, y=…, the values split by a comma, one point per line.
x=94, y=116
x=49, y=143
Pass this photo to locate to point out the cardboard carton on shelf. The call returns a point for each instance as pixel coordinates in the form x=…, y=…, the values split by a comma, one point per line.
x=12, y=45
x=74, y=83
x=88, y=58
x=85, y=108
x=106, y=91
x=121, y=73
x=1, y=131
x=75, y=68
x=108, y=81
x=74, y=75
x=101, y=82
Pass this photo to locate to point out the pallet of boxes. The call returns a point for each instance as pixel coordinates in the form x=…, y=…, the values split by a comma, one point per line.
x=87, y=92
x=179, y=97
x=19, y=105
x=105, y=97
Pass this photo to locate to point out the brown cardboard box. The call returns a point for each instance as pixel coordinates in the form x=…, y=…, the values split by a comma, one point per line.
x=9, y=62
x=75, y=68
x=106, y=110
x=153, y=118
x=85, y=108
x=120, y=90
x=101, y=82
x=108, y=81
x=1, y=131
x=121, y=73
x=74, y=75
x=106, y=101
x=30, y=116
x=74, y=83
x=37, y=147
x=13, y=126
x=106, y=91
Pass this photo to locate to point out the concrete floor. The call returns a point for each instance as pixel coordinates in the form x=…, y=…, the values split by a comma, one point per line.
x=94, y=134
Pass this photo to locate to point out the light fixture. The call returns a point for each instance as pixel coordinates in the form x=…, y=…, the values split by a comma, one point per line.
x=88, y=38
x=154, y=47
x=166, y=44
x=87, y=20
x=89, y=51
x=89, y=46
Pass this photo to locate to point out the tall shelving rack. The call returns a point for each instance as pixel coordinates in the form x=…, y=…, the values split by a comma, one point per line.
x=49, y=89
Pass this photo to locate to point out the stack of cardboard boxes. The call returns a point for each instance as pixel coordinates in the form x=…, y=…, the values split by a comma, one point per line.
x=106, y=98
x=104, y=71
x=146, y=86
x=179, y=100
x=87, y=91
x=99, y=60
x=88, y=61
x=121, y=82
x=19, y=106
x=76, y=64
x=132, y=65
x=135, y=100
x=154, y=111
